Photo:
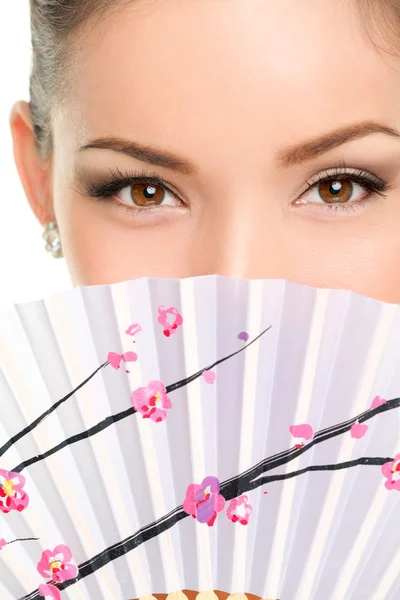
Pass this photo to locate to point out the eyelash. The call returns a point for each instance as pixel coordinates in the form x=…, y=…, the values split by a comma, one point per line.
x=119, y=181
x=369, y=182
x=103, y=192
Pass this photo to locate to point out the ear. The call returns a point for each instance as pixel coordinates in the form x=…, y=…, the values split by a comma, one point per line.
x=34, y=171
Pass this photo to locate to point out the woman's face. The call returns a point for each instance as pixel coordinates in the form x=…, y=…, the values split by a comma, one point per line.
x=274, y=125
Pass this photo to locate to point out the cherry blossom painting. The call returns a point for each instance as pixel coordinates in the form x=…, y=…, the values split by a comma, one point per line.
x=223, y=450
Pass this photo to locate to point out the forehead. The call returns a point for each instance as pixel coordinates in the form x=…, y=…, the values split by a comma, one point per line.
x=198, y=73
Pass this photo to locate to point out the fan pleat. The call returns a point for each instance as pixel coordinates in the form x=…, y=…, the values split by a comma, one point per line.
x=112, y=479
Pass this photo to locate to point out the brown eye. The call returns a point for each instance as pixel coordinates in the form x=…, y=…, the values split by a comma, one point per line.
x=334, y=192
x=147, y=195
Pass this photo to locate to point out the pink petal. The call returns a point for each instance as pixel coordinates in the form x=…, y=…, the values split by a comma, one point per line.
x=114, y=359
x=219, y=502
x=386, y=469
x=129, y=356
x=169, y=318
x=395, y=485
x=16, y=478
x=166, y=401
x=209, y=376
x=158, y=415
x=304, y=431
x=156, y=386
x=358, y=430
x=133, y=329
x=377, y=401
x=64, y=551
x=70, y=572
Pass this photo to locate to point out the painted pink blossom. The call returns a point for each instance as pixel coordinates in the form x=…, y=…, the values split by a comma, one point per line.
x=12, y=493
x=115, y=359
x=57, y=564
x=391, y=470
x=152, y=401
x=3, y=543
x=133, y=329
x=204, y=501
x=170, y=319
x=377, y=401
x=239, y=510
x=301, y=433
x=49, y=592
x=209, y=376
x=358, y=430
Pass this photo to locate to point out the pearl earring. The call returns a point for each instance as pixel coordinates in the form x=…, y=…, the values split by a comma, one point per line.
x=52, y=237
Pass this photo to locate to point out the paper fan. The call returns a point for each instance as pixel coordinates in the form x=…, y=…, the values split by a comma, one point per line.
x=200, y=434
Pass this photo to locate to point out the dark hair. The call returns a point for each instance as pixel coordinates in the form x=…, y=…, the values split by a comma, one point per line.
x=53, y=23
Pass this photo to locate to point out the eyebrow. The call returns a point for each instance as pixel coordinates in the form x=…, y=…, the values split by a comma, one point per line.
x=143, y=153
x=301, y=152
x=305, y=151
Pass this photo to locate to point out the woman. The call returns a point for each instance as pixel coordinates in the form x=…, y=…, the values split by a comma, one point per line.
x=247, y=138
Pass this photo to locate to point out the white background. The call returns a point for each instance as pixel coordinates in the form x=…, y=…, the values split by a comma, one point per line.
x=27, y=271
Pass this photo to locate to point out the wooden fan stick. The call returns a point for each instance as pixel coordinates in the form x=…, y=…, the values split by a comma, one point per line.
x=211, y=595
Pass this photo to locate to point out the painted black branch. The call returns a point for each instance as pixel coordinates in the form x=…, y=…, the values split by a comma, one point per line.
x=48, y=412
x=229, y=489
x=23, y=540
x=365, y=416
x=165, y=523
x=75, y=438
x=321, y=436
x=183, y=382
x=119, y=549
x=371, y=462
x=126, y=413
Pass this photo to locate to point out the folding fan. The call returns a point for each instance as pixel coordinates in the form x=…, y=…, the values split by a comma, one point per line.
x=202, y=434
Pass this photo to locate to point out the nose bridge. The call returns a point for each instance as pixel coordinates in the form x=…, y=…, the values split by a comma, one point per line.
x=245, y=236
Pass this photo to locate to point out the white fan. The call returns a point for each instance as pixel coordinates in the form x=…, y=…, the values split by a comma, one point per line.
x=200, y=434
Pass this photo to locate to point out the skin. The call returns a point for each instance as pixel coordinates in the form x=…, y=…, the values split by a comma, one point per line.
x=230, y=86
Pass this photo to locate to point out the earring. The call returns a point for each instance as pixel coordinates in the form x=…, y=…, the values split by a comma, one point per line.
x=52, y=237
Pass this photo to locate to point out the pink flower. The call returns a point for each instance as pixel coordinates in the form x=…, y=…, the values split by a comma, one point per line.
x=377, y=401
x=209, y=376
x=170, y=319
x=12, y=494
x=133, y=329
x=358, y=430
x=57, y=564
x=151, y=401
x=3, y=543
x=391, y=470
x=301, y=432
x=49, y=591
x=115, y=359
x=239, y=510
x=203, y=501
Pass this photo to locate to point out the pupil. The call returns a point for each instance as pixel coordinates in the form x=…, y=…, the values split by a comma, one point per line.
x=149, y=191
x=335, y=188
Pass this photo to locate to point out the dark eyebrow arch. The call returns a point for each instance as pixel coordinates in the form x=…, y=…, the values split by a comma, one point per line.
x=143, y=153
x=305, y=151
